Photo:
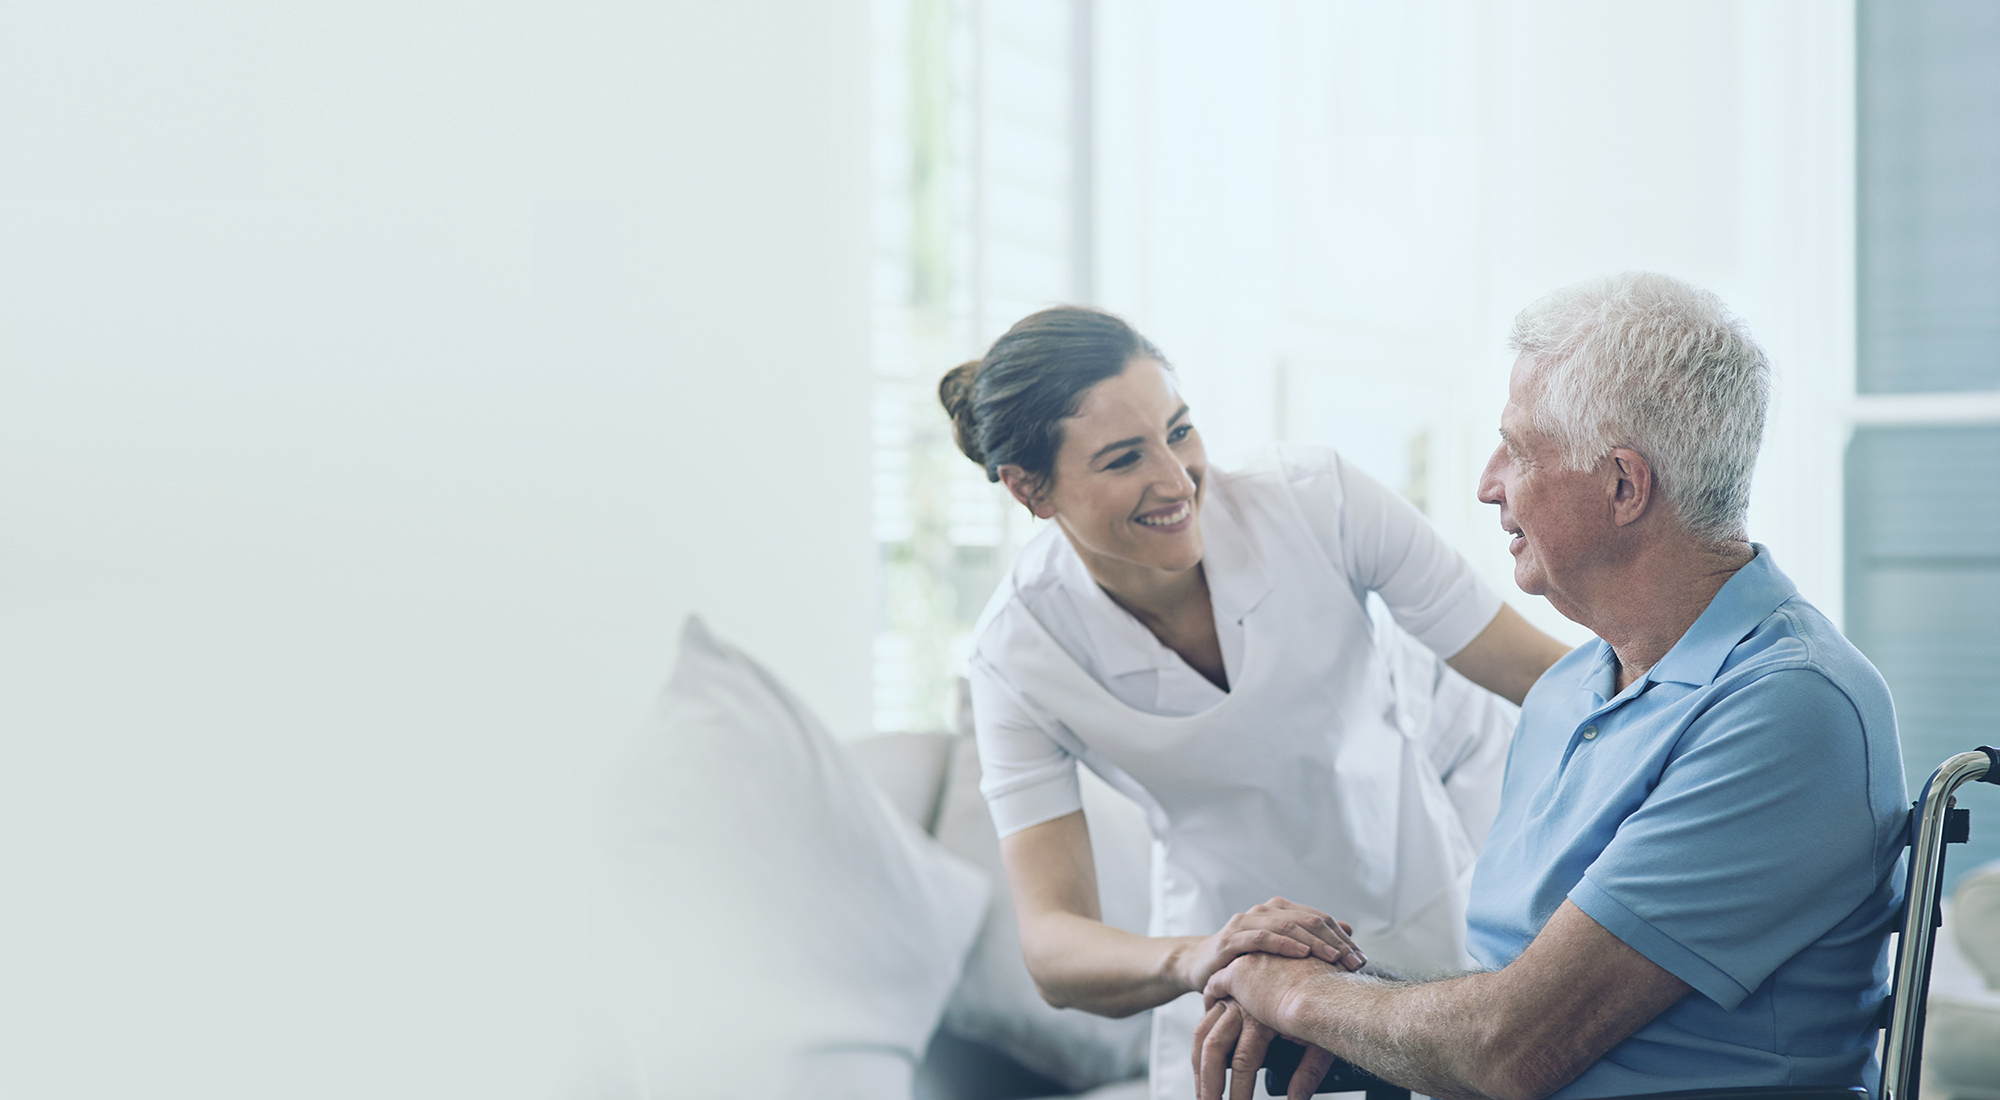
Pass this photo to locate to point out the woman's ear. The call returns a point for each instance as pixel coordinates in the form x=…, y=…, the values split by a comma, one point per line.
x=1030, y=490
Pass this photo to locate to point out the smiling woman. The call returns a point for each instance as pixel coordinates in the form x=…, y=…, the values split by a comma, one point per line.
x=1118, y=466
x=1204, y=641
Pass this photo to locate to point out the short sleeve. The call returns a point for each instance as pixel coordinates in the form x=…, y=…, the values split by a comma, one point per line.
x=1025, y=775
x=1384, y=545
x=1757, y=840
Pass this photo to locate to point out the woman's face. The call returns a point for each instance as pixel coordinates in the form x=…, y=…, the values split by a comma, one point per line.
x=1128, y=478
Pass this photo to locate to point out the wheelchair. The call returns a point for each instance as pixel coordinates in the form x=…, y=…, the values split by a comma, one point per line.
x=1934, y=823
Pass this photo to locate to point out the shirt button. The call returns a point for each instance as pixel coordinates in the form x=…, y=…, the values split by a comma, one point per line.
x=1590, y=733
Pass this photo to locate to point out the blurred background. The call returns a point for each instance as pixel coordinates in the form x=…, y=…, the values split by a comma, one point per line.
x=381, y=384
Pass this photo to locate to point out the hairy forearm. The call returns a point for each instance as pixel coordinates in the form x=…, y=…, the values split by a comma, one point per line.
x=1389, y=1028
x=1447, y=1038
x=1518, y=1033
x=1081, y=963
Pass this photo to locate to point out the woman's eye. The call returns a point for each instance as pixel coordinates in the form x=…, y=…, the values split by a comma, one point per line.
x=1122, y=461
x=1179, y=433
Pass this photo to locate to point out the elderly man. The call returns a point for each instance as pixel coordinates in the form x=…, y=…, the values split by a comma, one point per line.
x=1693, y=874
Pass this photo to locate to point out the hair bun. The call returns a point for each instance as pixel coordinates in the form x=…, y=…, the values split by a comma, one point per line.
x=955, y=394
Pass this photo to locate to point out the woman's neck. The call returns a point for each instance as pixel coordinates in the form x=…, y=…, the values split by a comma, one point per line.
x=1150, y=594
x=1175, y=607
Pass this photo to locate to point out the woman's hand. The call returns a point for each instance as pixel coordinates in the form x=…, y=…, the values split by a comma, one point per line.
x=1277, y=927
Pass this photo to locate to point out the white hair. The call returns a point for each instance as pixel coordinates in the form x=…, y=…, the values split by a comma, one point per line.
x=1646, y=361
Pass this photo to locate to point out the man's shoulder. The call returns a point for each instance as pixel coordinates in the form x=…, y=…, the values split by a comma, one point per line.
x=1797, y=672
x=1796, y=650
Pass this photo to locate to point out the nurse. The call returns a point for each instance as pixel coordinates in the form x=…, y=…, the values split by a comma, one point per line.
x=1202, y=639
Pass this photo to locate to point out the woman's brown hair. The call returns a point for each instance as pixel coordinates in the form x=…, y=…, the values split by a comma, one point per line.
x=1007, y=408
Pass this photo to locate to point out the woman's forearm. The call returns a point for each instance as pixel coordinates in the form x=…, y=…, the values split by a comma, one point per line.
x=1508, y=656
x=1086, y=964
x=1078, y=961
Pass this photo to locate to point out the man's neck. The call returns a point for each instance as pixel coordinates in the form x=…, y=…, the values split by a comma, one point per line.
x=1658, y=595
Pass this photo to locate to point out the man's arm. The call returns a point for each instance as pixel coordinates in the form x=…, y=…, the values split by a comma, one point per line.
x=1518, y=1033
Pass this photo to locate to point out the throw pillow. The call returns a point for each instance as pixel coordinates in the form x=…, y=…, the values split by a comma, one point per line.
x=767, y=924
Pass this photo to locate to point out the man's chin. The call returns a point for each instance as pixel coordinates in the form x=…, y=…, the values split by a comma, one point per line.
x=1529, y=580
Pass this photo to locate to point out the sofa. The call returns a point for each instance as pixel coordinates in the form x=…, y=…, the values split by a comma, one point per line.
x=1962, y=1030
x=773, y=913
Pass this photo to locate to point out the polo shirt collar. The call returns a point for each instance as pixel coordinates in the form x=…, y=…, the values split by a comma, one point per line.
x=1745, y=600
x=1237, y=582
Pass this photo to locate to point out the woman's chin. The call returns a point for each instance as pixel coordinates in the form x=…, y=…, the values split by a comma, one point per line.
x=1176, y=559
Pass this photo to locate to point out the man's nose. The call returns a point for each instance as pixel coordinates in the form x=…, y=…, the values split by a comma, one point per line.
x=1490, y=491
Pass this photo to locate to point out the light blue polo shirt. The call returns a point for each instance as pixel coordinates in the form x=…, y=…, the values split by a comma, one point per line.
x=1737, y=817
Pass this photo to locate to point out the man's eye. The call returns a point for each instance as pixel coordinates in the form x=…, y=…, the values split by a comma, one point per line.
x=1179, y=433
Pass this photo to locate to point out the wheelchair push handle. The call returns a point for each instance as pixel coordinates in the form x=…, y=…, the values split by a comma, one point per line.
x=1930, y=831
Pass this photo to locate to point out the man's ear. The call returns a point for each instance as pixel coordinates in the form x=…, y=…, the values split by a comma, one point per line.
x=1030, y=490
x=1633, y=492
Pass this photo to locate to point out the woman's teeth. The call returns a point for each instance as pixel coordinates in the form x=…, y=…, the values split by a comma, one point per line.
x=1170, y=518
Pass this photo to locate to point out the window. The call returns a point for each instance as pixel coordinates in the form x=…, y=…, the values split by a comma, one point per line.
x=1923, y=468
x=982, y=216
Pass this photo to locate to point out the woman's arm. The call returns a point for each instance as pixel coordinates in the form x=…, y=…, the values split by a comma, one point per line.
x=1508, y=656
x=1384, y=545
x=1078, y=961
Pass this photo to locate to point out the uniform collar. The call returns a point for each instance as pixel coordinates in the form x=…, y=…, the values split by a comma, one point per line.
x=1238, y=579
x=1745, y=600
x=1237, y=582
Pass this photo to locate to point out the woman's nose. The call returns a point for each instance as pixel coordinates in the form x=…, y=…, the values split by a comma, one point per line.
x=1172, y=479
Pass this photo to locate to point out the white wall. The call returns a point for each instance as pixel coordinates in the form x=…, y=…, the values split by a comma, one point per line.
x=1328, y=213
x=380, y=384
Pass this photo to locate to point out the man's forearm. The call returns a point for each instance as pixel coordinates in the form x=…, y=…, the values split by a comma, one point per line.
x=1518, y=1033
x=1419, y=1034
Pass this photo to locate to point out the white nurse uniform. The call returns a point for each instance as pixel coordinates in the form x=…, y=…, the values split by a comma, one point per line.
x=1346, y=768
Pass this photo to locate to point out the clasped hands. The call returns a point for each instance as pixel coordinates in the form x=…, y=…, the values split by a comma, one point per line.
x=1233, y=969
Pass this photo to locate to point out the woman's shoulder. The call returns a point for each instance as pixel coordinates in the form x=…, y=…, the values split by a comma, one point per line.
x=1037, y=569
x=1311, y=476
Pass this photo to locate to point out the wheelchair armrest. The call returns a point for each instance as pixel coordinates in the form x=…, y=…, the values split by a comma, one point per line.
x=1760, y=1092
x=1285, y=1056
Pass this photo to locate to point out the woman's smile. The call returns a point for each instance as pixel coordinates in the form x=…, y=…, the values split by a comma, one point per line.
x=1174, y=517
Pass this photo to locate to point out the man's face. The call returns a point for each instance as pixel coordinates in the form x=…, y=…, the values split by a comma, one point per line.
x=1561, y=519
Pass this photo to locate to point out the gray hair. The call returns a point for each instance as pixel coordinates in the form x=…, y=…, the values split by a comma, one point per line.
x=1646, y=361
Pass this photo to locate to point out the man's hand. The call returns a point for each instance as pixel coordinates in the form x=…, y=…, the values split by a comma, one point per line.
x=1278, y=927
x=1518, y=1033
x=1268, y=987
x=1229, y=1040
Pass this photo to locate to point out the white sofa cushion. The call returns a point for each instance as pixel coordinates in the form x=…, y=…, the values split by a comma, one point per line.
x=767, y=924
x=1976, y=903
x=996, y=1002
x=1962, y=1029
x=909, y=768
